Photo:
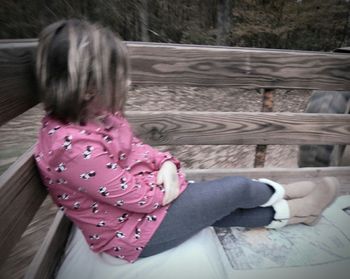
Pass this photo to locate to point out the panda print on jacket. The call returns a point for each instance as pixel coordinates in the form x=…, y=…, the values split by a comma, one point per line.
x=88, y=175
x=87, y=152
x=67, y=142
x=105, y=180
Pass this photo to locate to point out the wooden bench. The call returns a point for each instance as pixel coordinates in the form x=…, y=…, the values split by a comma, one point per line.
x=21, y=191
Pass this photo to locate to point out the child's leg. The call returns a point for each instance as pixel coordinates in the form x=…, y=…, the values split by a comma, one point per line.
x=247, y=218
x=238, y=201
x=231, y=201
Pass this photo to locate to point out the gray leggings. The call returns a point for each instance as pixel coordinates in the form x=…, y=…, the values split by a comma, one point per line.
x=227, y=202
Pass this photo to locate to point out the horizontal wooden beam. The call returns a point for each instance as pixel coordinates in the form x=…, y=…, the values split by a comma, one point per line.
x=211, y=128
x=282, y=175
x=21, y=194
x=193, y=65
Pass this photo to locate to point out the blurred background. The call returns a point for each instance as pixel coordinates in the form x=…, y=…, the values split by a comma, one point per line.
x=291, y=24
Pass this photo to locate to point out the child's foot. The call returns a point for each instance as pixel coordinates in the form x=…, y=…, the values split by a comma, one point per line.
x=308, y=209
x=298, y=189
x=310, y=220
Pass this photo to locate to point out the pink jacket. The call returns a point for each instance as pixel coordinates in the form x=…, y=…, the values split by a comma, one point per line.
x=104, y=179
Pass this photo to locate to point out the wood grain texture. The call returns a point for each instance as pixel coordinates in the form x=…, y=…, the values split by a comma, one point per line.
x=22, y=254
x=51, y=250
x=179, y=128
x=154, y=63
x=17, y=83
x=19, y=134
x=21, y=194
x=282, y=175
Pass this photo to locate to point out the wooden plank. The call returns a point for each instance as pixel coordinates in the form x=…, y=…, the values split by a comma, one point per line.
x=51, y=250
x=22, y=254
x=19, y=134
x=21, y=194
x=192, y=65
x=282, y=175
x=17, y=83
x=208, y=128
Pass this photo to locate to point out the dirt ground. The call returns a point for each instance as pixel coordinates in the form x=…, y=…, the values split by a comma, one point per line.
x=19, y=134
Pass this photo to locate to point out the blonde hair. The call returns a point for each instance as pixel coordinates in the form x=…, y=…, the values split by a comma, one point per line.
x=78, y=62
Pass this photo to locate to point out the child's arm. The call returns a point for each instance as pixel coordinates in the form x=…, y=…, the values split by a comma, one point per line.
x=104, y=180
x=168, y=176
x=157, y=156
x=167, y=166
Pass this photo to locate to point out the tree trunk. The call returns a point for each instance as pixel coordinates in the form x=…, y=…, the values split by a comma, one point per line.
x=346, y=40
x=223, y=21
x=143, y=10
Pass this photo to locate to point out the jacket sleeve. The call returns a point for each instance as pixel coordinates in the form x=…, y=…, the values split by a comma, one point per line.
x=158, y=157
x=100, y=177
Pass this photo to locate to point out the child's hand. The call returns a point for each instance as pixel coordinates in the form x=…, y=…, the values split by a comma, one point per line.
x=167, y=176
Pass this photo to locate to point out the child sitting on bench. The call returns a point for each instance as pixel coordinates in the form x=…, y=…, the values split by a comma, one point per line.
x=129, y=199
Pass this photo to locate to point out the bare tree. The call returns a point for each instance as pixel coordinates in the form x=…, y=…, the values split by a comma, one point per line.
x=224, y=13
x=143, y=11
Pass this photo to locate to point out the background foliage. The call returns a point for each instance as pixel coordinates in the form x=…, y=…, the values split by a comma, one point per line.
x=290, y=24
